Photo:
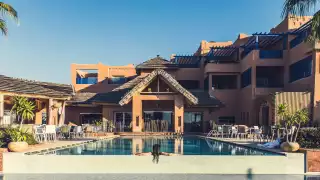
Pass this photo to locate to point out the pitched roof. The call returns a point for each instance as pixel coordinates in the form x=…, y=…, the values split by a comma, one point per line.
x=167, y=78
x=205, y=99
x=23, y=86
x=82, y=97
x=157, y=62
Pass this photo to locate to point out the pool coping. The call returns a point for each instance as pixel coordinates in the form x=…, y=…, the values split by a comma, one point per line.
x=48, y=150
x=248, y=146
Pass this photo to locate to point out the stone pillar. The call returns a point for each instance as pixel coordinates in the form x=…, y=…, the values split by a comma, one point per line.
x=1, y=108
x=178, y=113
x=62, y=115
x=136, y=114
x=50, y=112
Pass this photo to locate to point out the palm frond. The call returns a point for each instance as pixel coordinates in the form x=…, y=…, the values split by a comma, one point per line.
x=298, y=7
x=315, y=28
x=3, y=27
x=6, y=9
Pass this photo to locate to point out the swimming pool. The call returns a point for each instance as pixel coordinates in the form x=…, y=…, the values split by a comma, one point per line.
x=190, y=145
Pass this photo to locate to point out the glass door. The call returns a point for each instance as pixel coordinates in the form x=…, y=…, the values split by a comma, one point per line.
x=192, y=122
x=122, y=121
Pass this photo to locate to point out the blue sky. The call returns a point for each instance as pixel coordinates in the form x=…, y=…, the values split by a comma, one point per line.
x=55, y=33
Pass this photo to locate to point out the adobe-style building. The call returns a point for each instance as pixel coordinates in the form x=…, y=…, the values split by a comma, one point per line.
x=237, y=82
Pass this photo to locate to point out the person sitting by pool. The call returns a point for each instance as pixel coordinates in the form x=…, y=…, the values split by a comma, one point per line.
x=155, y=153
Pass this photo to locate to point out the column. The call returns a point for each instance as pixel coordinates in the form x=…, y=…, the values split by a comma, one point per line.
x=1, y=108
x=136, y=114
x=62, y=115
x=50, y=112
x=178, y=113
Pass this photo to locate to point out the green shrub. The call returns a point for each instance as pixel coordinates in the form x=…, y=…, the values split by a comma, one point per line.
x=309, y=138
x=11, y=134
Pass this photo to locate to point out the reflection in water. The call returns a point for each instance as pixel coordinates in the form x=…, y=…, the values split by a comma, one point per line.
x=186, y=146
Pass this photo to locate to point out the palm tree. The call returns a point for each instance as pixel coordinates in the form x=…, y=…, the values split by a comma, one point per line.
x=23, y=108
x=6, y=9
x=302, y=8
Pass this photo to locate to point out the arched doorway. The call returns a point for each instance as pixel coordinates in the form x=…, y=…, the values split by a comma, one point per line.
x=264, y=114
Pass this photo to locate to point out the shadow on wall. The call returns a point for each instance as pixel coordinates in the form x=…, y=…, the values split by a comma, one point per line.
x=103, y=86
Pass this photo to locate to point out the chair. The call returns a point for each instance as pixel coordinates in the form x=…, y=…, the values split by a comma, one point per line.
x=50, y=131
x=219, y=131
x=65, y=131
x=88, y=130
x=39, y=133
x=242, y=131
x=78, y=131
x=234, y=132
x=257, y=132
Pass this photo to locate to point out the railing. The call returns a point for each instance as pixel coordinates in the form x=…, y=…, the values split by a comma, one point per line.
x=88, y=80
x=270, y=54
x=268, y=83
x=299, y=39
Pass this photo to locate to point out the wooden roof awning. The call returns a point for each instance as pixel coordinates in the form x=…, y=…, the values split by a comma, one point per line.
x=22, y=87
x=165, y=77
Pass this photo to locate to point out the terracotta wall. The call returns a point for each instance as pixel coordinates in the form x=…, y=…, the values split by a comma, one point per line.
x=73, y=113
x=104, y=72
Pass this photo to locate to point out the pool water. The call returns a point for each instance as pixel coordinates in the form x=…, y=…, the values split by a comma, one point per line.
x=185, y=145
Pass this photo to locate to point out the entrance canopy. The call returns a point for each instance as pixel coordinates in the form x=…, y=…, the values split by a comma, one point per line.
x=170, y=81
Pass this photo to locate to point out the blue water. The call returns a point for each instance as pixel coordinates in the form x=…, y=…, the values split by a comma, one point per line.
x=185, y=146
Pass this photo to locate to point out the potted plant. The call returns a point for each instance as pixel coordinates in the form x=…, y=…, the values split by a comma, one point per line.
x=17, y=139
x=290, y=120
x=23, y=108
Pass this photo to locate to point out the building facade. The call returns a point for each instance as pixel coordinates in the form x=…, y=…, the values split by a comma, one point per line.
x=238, y=82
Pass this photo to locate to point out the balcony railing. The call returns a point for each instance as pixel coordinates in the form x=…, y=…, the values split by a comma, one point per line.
x=270, y=54
x=88, y=80
x=267, y=83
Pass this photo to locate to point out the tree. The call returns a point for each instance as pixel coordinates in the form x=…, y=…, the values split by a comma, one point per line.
x=302, y=8
x=23, y=108
x=292, y=119
x=6, y=10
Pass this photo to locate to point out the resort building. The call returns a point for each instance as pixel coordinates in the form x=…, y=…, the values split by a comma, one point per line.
x=237, y=82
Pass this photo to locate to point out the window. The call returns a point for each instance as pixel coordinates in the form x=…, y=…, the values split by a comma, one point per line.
x=87, y=76
x=189, y=84
x=299, y=39
x=193, y=122
x=227, y=120
x=301, y=69
x=117, y=80
x=246, y=78
x=224, y=81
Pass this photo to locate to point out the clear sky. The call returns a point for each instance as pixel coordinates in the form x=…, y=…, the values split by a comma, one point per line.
x=55, y=33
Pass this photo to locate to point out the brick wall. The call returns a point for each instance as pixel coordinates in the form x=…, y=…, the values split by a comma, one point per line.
x=2, y=150
x=313, y=159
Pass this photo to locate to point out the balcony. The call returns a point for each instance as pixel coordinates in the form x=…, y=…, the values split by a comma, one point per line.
x=88, y=80
x=270, y=54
